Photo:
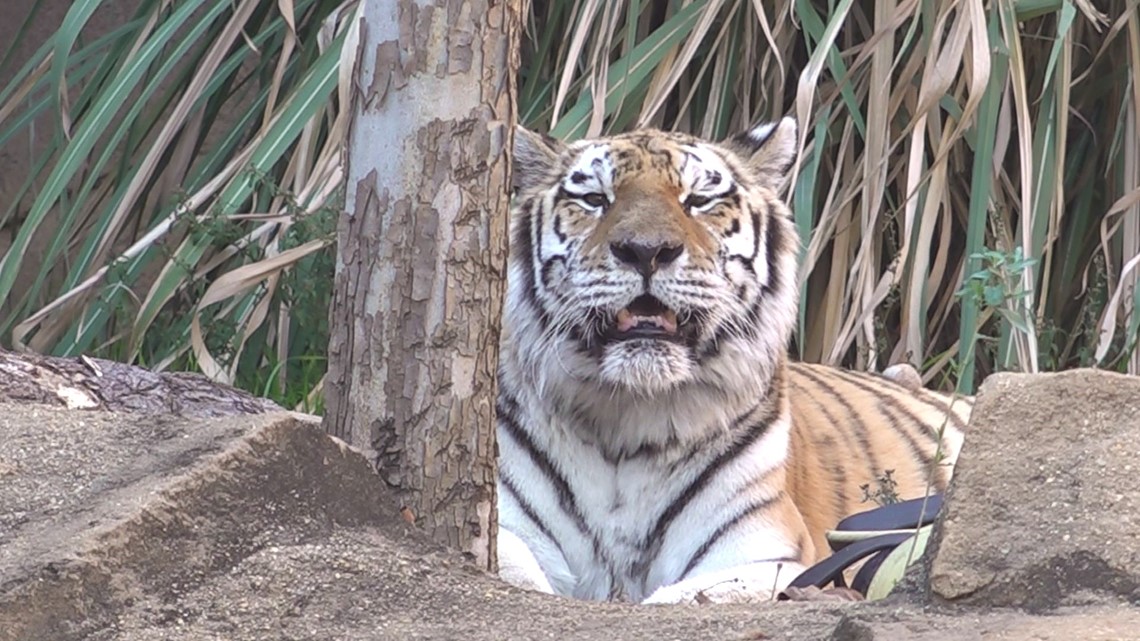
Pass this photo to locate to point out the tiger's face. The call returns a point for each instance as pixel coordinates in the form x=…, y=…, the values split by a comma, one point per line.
x=645, y=261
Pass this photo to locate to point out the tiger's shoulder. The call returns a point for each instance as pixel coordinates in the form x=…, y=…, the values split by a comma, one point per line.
x=899, y=384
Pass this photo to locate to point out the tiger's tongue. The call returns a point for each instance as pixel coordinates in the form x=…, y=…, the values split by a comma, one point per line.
x=667, y=321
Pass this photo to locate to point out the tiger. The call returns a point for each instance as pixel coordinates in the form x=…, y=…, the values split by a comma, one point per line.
x=657, y=442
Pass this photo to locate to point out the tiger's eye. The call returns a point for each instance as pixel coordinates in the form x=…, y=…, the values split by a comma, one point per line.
x=596, y=200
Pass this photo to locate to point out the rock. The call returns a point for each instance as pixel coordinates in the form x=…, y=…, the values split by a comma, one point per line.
x=102, y=509
x=142, y=527
x=1044, y=508
x=1066, y=624
x=850, y=629
x=904, y=374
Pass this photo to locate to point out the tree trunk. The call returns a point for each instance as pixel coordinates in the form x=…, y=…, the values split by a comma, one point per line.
x=421, y=261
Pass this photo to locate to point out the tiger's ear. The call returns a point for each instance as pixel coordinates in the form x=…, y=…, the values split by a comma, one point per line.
x=535, y=158
x=768, y=150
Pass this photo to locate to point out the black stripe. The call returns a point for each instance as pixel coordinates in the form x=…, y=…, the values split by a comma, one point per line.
x=734, y=201
x=646, y=450
x=528, y=510
x=922, y=395
x=527, y=253
x=521, y=242
x=687, y=157
x=928, y=398
x=889, y=400
x=506, y=407
x=557, y=226
x=547, y=266
x=566, y=194
x=862, y=434
x=774, y=240
x=875, y=387
x=757, y=232
x=749, y=262
x=746, y=329
x=838, y=476
x=746, y=434
x=754, y=507
x=727, y=194
x=891, y=409
x=537, y=214
x=566, y=499
x=652, y=450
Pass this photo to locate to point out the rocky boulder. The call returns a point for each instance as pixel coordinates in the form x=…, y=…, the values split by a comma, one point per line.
x=1044, y=508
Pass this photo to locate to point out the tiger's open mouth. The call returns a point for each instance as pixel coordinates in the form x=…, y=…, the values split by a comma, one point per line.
x=646, y=318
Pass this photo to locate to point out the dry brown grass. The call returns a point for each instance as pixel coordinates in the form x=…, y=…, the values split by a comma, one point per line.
x=938, y=140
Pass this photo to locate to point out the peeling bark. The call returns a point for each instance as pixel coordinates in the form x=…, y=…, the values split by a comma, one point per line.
x=422, y=258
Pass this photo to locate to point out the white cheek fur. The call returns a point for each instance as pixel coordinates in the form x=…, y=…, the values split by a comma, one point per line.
x=743, y=242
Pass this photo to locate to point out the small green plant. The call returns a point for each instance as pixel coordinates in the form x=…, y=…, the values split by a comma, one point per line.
x=886, y=492
x=997, y=285
x=996, y=290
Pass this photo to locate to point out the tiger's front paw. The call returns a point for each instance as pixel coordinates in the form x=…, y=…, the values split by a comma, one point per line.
x=518, y=566
x=749, y=584
x=728, y=591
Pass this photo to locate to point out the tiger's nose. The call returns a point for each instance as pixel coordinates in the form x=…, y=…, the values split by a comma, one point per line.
x=646, y=259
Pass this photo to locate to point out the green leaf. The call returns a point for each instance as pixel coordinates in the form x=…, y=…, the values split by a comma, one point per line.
x=305, y=102
x=895, y=565
x=994, y=295
x=981, y=186
x=74, y=157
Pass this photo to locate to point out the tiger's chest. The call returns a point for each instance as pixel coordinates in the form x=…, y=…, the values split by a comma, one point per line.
x=602, y=528
x=600, y=516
